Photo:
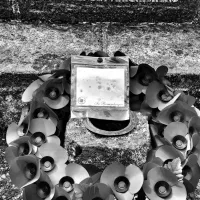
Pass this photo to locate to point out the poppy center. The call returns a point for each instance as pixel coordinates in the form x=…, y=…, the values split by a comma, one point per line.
x=146, y=79
x=43, y=189
x=38, y=138
x=179, y=142
x=164, y=96
x=23, y=149
x=30, y=171
x=41, y=113
x=177, y=116
x=22, y=129
x=53, y=93
x=66, y=183
x=47, y=163
x=162, y=189
x=121, y=184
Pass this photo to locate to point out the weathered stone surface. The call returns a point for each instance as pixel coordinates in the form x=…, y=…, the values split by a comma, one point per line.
x=132, y=147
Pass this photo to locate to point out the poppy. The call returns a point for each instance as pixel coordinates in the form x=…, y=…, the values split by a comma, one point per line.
x=177, y=134
x=41, y=189
x=42, y=131
x=163, y=154
x=61, y=194
x=158, y=96
x=144, y=76
x=124, y=181
x=19, y=147
x=53, y=94
x=24, y=170
x=39, y=109
x=53, y=159
x=176, y=112
x=188, y=99
x=194, y=130
x=74, y=174
x=191, y=173
x=15, y=131
x=28, y=93
x=161, y=183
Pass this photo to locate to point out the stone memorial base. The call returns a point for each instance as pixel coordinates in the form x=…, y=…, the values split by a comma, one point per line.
x=102, y=151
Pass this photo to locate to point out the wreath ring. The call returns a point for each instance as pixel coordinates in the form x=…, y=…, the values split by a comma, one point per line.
x=43, y=168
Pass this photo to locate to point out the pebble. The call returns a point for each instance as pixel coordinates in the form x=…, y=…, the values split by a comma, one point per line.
x=3, y=176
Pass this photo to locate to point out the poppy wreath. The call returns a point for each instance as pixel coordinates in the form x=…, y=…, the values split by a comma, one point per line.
x=45, y=170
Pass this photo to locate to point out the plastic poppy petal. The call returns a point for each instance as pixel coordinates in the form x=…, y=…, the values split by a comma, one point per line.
x=45, y=178
x=161, y=174
x=17, y=172
x=76, y=172
x=29, y=193
x=60, y=192
x=135, y=86
x=45, y=77
x=191, y=173
x=136, y=178
x=148, y=188
x=162, y=71
x=92, y=179
x=174, y=129
x=178, y=192
x=124, y=196
x=28, y=93
x=189, y=142
x=53, y=139
x=188, y=112
x=147, y=167
x=97, y=191
x=10, y=154
x=196, y=110
x=145, y=109
x=133, y=70
x=194, y=124
x=58, y=153
x=24, y=115
x=190, y=100
x=167, y=152
x=66, y=86
x=91, y=169
x=35, y=104
x=152, y=94
x=57, y=173
x=11, y=133
x=34, y=149
x=59, y=103
x=42, y=125
x=111, y=172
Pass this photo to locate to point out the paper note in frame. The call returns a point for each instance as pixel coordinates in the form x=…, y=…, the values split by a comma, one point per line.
x=100, y=89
